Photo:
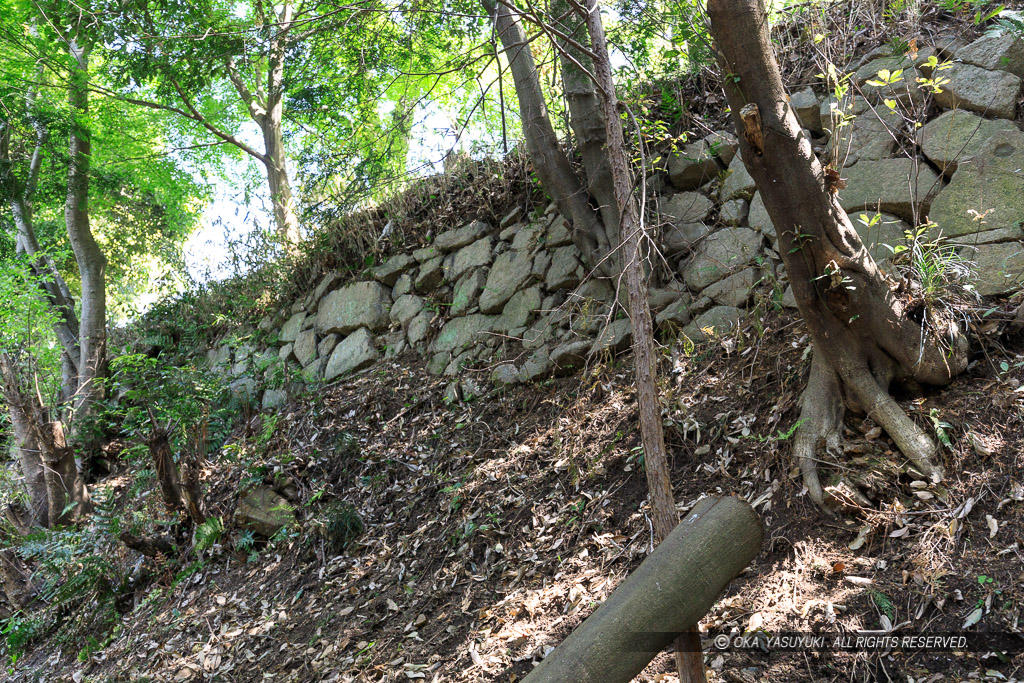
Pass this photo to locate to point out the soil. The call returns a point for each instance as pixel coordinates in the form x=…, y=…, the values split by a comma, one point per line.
x=494, y=526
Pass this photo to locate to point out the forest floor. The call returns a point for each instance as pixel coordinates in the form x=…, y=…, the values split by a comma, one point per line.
x=494, y=526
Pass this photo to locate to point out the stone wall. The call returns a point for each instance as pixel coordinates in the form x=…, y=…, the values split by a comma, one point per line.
x=515, y=301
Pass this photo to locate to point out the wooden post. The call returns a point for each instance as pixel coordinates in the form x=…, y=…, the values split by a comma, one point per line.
x=666, y=595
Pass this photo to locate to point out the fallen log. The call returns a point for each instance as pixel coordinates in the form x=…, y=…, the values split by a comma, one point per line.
x=666, y=595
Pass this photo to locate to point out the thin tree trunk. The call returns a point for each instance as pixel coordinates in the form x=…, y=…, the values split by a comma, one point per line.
x=27, y=451
x=689, y=658
x=856, y=321
x=92, y=263
x=16, y=579
x=556, y=174
x=166, y=470
x=64, y=484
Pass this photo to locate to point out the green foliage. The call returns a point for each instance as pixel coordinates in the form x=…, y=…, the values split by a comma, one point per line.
x=208, y=534
x=341, y=524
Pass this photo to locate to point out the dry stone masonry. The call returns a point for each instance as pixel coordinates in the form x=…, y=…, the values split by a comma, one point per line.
x=515, y=303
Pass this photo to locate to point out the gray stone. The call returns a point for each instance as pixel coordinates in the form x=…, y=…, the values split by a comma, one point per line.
x=541, y=263
x=896, y=186
x=461, y=333
x=718, y=321
x=758, y=219
x=956, y=135
x=327, y=344
x=310, y=321
x=402, y=286
x=518, y=310
x=879, y=235
x=720, y=254
x=353, y=353
x=539, y=334
x=291, y=329
x=566, y=270
x=314, y=372
x=431, y=275
x=789, y=298
x=807, y=109
x=359, y=304
x=527, y=237
x=510, y=270
x=734, y=212
x=426, y=253
x=693, y=166
x=615, y=337
x=274, y=398
x=686, y=207
x=992, y=93
x=456, y=239
x=218, y=358
x=467, y=292
x=394, y=344
x=990, y=186
x=505, y=374
x=537, y=366
x=389, y=271
x=558, y=234
x=438, y=363
x=287, y=352
x=1000, y=267
x=263, y=511
x=475, y=255
x=723, y=145
x=659, y=298
x=305, y=347
x=892, y=63
x=571, y=355
x=869, y=137
x=419, y=327
x=511, y=217
x=1012, y=233
x=406, y=308
x=997, y=52
x=461, y=362
x=244, y=387
x=326, y=282
x=675, y=314
x=594, y=289
x=738, y=184
x=679, y=239
x=734, y=290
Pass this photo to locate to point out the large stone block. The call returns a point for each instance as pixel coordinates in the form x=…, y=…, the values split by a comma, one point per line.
x=896, y=186
x=721, y=254
x=352, y=353
x=992, y=93
x=359, y=304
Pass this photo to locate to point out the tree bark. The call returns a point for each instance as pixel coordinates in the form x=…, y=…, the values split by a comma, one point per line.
x=689, y=658
x=166, y=470
x=668, y=593
x=27, y=451
x=92, y=364
x=858, y=324
x=273, y=136
x=552, y=166
x=63, y=482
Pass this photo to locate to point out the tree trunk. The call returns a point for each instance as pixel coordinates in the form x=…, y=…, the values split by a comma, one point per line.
x=64, y=484
x=669, y=592
x=273, y=139
x=556, y=174
x=27, y=451
x=166, y=470
x=689, y=659
x=92, y=365
x=858, y=324
x=587, y=119
x=16, y=579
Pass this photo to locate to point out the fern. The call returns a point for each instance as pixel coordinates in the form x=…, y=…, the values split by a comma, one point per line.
x=208, y=533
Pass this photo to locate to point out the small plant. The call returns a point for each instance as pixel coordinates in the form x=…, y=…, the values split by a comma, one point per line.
x=340, y=525
x=208, y=534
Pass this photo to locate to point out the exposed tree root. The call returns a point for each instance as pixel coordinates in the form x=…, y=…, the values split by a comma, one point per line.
x=822, y=410
x=820, y=424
